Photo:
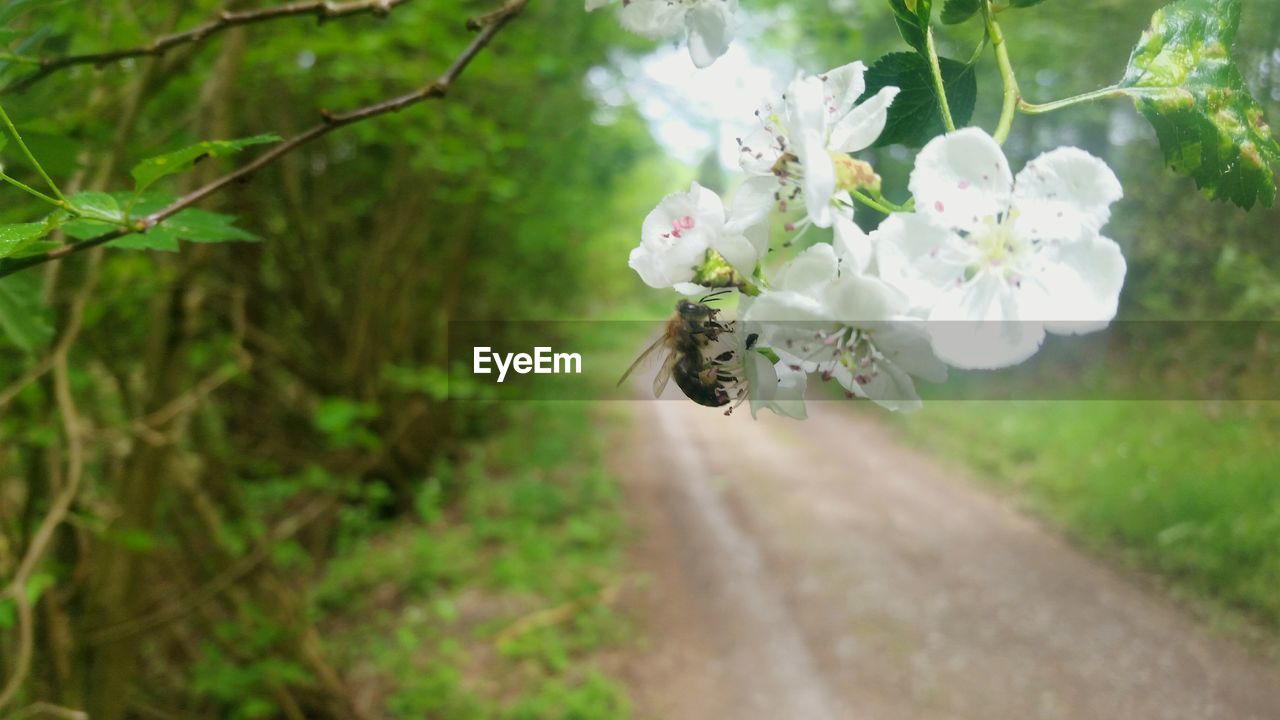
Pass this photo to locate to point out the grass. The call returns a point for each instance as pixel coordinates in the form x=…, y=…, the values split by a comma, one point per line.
x=1190, y=491
x=496, y=604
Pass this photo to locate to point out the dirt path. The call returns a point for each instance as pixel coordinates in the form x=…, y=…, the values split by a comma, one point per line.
x=822, y=570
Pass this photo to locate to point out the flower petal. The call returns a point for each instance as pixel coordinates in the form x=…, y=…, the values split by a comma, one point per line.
x=754, y=200
x=889, y=387
x=1063, y=191
x=857, y=300
x=851, y=243
x=738, y=250
x=961, y=178
x=819, y=178
x=710, y=30
x=977, y=325
x=654, y=19
x=842, y=87
x=906, y=344
x=810, y=271
x=861, y=126
x=918, y=256
x=1077, y=292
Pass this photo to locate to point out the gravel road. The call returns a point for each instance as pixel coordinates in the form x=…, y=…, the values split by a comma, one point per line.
x=821, y=569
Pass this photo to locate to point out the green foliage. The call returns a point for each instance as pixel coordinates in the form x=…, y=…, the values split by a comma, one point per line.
x=1185, y=489
x=22, y=316
x=915, y=115
x=14, y=239
x=957, y=11
x=1184, y=81
x=533, y=524
x=912, y=18
x=147, y=172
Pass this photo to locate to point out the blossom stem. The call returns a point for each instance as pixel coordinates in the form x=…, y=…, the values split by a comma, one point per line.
x=939, y=87
x=13, y=131
x=1009, y=107
x=1035, y=109
x=870, y=202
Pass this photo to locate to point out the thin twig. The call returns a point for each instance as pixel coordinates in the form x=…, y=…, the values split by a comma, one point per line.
x=491, y=24
x=225, y=579
x=555, y=615
x=17, y=588
x=224, y=20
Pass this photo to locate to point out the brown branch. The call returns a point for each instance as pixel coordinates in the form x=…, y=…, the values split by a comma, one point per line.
x=224, y=20
x=490, y=24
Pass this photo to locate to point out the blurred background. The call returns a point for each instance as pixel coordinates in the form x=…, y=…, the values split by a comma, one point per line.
x=281, y=515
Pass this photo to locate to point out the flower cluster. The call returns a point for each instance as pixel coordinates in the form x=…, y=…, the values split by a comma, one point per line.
x=973, y=271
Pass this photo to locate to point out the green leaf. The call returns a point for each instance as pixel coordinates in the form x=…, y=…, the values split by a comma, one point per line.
x=152, y=169
x=1024, y=3
x=1183, y=80
x=22, y=316
x=97, y=203
x=16, y=238
x=150, y=240
x=192, y=225
x=912, y=17
x=914, y=116
x=957, y=11
x=205, y=227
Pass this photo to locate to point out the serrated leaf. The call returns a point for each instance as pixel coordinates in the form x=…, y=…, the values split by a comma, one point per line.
x=1183, y=80
x=24, y=319
x=915, y=116
x=957, y=11
x=912, y=18
x=152, y=169
x=16, y=238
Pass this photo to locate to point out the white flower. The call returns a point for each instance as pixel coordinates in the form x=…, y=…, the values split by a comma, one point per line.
x=774, y=386
x=710, y=23
x=822, y=316
x=1008, y=259
x=679, y=232
x=801, y=149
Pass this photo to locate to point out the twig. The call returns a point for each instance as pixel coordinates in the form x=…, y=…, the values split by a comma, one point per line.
x=44, y=708
x=17, y=588
x=491, y=24
x=224, y=20
x=556, y=615
x=286, y=529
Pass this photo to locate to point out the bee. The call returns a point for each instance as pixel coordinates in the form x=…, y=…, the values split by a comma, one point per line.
x=689, y=333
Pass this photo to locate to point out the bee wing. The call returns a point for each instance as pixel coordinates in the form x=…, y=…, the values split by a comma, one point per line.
x=643, y=356
x=664, y=374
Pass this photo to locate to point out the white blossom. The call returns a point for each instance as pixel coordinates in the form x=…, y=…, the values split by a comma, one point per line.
x=677, y=235
x=821, y=315
x=801, y=150
x=993, y=262
x=709, y=23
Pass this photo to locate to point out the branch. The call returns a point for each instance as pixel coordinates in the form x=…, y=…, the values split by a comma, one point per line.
x=490, y=24
x=224, y=20
x=58, y=509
